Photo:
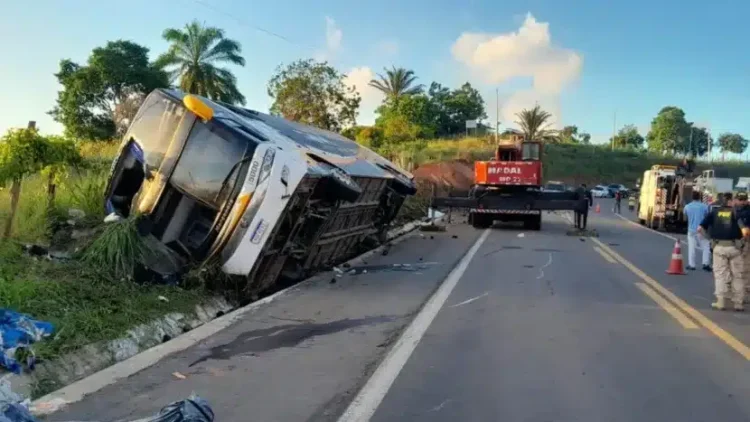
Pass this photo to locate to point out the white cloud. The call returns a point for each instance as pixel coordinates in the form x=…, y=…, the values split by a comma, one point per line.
x=334, y=36
x=388, y=47
x=526, y=53
x=359, y=77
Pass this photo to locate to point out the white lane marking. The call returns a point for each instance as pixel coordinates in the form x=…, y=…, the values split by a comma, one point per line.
x=371, y=395
x=541, y=270
x=468, y=301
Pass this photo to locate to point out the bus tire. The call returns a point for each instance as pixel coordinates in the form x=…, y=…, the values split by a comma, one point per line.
x=342, y=187
x=533, y=222
x=480, y=221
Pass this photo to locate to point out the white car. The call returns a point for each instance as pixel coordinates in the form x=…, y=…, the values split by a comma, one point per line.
x=600, y=192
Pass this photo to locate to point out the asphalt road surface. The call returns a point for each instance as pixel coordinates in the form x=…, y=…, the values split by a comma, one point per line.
x=536, y=326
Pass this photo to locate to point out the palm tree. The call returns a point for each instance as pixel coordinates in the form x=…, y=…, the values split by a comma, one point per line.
x=396, y=82
x=193, y=57
x=534, y=124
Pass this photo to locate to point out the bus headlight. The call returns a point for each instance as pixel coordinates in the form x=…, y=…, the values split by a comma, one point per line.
x=265, y=167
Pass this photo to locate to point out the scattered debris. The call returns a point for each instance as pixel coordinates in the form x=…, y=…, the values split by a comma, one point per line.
x=455, y=236
x=521, y=235
x=432, y=227
x=432, y=237
x=466, y=302
x=35, y=250
x=17, y=333
x=333, y=280
x=163, y=299
x=113, y=218
x=584, y=233
x=385, y=252
x=364, y=269
x=76, y=214
x=179, y=376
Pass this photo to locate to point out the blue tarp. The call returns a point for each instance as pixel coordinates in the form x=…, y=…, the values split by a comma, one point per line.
x=19, y=331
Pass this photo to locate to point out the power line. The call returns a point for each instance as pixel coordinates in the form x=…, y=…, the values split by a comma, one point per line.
x=249, y=24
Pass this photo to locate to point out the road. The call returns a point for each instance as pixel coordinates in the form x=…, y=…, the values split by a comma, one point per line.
x=536, y=326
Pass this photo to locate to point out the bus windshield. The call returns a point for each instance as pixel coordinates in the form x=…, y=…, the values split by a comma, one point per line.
x=207, y=160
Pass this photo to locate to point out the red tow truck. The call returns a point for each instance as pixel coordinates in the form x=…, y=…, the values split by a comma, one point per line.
x=509, y=188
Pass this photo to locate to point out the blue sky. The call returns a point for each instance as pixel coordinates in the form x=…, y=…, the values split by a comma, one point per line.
x=582, y=59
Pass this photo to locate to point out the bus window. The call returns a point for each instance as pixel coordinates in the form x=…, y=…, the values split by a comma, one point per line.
x=154, y=127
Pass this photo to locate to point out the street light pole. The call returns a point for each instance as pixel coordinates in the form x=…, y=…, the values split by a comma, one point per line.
x=497, y=115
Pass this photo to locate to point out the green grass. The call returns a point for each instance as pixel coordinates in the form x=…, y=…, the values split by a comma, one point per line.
x=83, y=306
x=90, y=299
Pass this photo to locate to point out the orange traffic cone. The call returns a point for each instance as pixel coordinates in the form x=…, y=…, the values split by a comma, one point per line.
x=675, y=264
x=598, y=209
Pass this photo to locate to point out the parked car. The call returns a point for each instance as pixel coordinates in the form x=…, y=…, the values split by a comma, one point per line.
x=554, y=186
x=600, y=192
x=264, y=197
x=621, y=188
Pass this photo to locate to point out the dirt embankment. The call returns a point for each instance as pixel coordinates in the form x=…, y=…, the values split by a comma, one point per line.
x=446, y=175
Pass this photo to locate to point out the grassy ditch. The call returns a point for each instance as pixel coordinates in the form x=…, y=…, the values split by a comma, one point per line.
x=90, y=298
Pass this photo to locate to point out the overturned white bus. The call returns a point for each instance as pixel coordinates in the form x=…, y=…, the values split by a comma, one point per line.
x=264, y=196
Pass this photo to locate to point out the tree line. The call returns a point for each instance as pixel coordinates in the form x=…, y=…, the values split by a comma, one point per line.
x=671, y=133
x=99, y=98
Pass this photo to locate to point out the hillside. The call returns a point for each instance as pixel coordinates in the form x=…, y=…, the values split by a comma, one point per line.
x=449, y=162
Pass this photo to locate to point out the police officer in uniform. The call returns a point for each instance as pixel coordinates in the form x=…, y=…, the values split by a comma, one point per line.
x=742, y=208
x=582, y=214
x=727, y=233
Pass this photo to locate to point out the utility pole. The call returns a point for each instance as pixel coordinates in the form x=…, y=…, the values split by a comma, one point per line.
x=614, y=130
x=497, y=115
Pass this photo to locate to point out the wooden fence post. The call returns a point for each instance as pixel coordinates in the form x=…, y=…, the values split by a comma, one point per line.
x=15, y=194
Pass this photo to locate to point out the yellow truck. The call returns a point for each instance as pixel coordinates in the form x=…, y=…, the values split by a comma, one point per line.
x=664, y=193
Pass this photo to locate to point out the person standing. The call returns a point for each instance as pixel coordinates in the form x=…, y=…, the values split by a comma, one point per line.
x=696, y=211
x=618, y=201
x=581, y=214
x=728, y=234
x=742, y=208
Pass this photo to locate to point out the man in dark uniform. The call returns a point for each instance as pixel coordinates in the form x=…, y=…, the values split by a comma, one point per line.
x=582, y=214
x=727, y=233
x=742, y=209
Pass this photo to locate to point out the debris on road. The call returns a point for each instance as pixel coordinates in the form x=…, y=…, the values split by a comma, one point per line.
x=432, y=228
x=179, y=376
x=582, y=232
x=17, y=333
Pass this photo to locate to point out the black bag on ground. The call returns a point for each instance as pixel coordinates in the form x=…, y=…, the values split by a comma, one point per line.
x=193, y=409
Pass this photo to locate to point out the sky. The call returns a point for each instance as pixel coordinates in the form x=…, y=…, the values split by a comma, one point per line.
x=592, y=64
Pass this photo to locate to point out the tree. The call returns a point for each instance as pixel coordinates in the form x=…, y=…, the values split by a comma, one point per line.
x=417, y=110
x=570, y=135
x=194, y=56
x=669, y=131
x=313, y=93
x=699, y=141
x=396, y=82
x=454, y=108
x=24, y=152
x=93, y=103
x=535, y=124
x=732, y=142
x=398, y=129
x=627, y=136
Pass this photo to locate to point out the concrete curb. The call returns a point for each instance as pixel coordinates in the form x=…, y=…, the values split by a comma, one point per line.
x=76, y=391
